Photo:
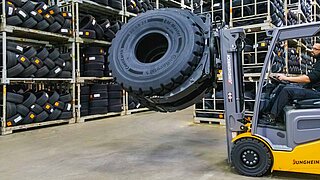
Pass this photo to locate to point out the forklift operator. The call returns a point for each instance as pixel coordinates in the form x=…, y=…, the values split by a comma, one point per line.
x=290, y=93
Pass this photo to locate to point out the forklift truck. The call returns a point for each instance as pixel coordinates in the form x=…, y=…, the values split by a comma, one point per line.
x=253, y=148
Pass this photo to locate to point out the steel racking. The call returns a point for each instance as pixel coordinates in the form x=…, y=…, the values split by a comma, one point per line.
x=33, y=36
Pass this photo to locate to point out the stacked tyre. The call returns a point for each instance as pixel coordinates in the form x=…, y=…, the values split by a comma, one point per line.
x=133, y=103
x=28, y=62
x=102, y=29
x=84, y=100
x=99, y=99
x=38, y=16
x=36, y=107
x=141, y=6
x=115, y=98
x=94, y=62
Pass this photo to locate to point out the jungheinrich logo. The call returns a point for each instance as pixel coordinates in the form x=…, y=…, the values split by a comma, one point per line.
x=229, y=69
x=300, y=162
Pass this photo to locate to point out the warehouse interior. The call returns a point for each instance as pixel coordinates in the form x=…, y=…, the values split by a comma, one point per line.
x=67, y=112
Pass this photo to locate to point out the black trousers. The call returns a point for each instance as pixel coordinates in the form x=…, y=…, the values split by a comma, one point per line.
x=290, y=93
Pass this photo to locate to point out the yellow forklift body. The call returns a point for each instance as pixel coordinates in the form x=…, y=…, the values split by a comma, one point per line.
x=304, y=158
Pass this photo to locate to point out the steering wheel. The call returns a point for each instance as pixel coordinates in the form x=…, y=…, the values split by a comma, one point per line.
x=278, y=81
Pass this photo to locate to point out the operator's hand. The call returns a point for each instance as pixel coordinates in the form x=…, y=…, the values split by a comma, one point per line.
x=281, y=77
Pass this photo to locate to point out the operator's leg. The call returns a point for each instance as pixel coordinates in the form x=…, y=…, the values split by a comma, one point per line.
x=288, y=94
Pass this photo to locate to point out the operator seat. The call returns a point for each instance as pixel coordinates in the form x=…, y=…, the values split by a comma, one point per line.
x=307, y=103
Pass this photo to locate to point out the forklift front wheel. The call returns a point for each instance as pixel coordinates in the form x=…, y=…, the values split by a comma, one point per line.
x=251, y=157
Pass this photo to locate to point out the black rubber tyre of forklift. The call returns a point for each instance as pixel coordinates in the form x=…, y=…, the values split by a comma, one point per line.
x=29, y=99
x=260, y=166
x=49, y=63
x=28, y=6
x=41, y=117
x=29, y=23
x=11, y=109
x=65, y=115
x=14, y=20
x=161, y=70
x=15, y=70
x=23, y=110
x=29, y=71
x=42, y=98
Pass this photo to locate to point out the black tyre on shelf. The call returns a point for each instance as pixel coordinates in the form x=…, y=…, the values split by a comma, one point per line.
x=99, y=88
x=28, y=6
x=59, y=18
x=29, y=99
x=15, y=70
x=60, y=62
x=24, y=61
x=98, y=110
x=14, y=47
x=30, y=52
x=99, y=96
x=99, y=103
x=29, y=118
x=11, y=109
x=66, y=98
x=38, y=17
x=14, y=20
x=251, y=157
x=29, y=23
x=93, y=50
x=42, y=98
x=54, y=115
x=10, y=9
x=65, y=74
x=14, y=97
x=43, y=116
x=42, y=25
x=114, y=87
x=113, y=102
x=115, y=4
x=49, y=63
x=68, y=66
x=84, y=98
x=37, y=62
x=176, y=64
x=55, y=72
x=11, y=59
x=48, y=108
x=36, y=109
x=59, y=105
x=23, y=15
x=115, y=94
x=54, y=97
x=67, y=107
x=115, y=108
x=94, y=67
x=42, y=72
x=65, y=56
x=84, y=112
x=14, y=120
x=93, y=73
x=66, y=115
x=85, y=90
x=54, y=27
x=54, y=54
x=23, y=110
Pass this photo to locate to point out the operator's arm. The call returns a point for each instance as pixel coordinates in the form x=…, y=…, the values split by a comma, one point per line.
x=313, y=76
x=298, y=79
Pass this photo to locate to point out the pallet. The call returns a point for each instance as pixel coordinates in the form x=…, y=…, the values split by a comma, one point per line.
x=99, y=116
x=133, y=111
x=10, y=130
x=199, y=120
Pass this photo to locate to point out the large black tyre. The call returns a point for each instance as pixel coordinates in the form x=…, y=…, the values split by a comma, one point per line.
x=11, y=109
x=174, y=43
x=251, y=157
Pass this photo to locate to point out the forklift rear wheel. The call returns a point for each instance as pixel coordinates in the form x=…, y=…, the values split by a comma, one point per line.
x=251, y=157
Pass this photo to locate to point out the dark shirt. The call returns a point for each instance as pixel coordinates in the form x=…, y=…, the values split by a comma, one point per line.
x=314, y=76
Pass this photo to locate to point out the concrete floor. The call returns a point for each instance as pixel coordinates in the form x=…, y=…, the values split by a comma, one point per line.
x=140, y=146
